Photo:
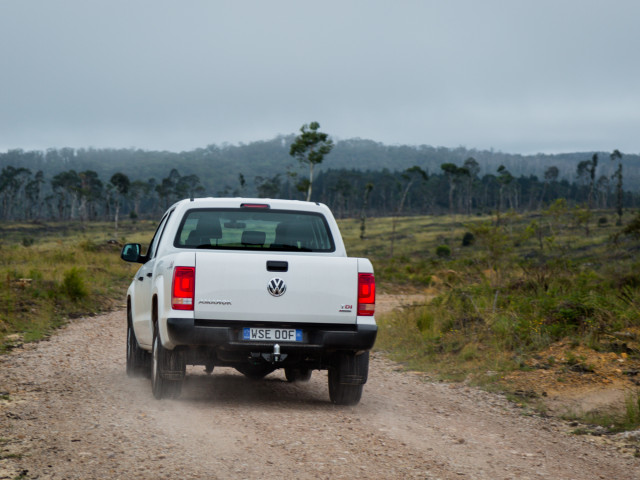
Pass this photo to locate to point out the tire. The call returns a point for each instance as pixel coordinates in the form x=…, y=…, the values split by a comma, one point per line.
x=255, y=372
x=347, y=378
x=297, y=374
x=137, y=358
x=167, y=370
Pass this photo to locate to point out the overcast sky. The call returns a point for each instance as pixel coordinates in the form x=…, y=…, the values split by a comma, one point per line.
x=516, y=76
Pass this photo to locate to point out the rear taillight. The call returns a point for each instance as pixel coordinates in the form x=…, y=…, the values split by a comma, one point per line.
x=255, y=205
x=183, y=289
x=366, y=294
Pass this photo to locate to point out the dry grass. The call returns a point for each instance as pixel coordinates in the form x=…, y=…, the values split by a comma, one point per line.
x=51, y=272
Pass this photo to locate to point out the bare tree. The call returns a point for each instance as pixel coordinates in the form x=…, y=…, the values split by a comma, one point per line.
x=617, y=175
x=410, y=175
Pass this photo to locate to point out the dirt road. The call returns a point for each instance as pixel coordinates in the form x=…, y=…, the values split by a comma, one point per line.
x=68, y=411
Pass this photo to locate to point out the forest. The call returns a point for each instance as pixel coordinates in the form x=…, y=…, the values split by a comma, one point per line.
x=358, y=178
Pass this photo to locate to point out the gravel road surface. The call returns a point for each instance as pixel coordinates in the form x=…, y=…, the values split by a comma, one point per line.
x=68, y=411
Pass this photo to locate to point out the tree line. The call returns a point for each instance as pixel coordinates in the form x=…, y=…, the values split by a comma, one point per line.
x=459, y=189
x=218, y=166
x=27, y=195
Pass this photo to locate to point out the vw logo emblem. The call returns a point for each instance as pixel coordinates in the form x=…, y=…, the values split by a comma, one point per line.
x=277, y=287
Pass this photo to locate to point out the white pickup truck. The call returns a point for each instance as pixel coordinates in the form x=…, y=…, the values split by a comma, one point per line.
x=252, y=284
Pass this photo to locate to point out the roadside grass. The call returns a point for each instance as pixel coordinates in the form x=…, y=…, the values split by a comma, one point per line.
x=495, y=297
x=624, y=419
x=53, y=272
x=503, y=293
x=414, y=261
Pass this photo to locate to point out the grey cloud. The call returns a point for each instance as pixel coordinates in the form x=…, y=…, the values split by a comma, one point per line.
x=516, y=76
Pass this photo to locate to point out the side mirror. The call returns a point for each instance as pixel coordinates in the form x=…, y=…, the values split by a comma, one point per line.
x=131, y=253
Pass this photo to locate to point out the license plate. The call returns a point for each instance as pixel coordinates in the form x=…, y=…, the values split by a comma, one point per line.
x=272, y=334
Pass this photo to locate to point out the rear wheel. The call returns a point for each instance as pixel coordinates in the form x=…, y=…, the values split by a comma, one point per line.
x=297, y=374
x=347, y=378
x=167, y=370
x=137, y=358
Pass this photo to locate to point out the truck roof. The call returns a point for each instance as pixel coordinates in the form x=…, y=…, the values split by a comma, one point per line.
x=238, y=202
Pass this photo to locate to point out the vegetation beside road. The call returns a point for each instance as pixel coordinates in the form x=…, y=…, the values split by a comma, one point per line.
x=512, y=289
x=500, y=298
x=496, y=297
x=55, y=271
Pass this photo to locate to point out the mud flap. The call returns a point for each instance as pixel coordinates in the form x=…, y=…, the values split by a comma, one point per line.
x=353, y=369
x=172, y=364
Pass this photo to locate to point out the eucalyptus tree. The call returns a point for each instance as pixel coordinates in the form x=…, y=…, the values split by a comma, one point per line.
x=188, y=186
x=582, y=172
x=603, y=189
x=472, y=170
x=586, y=175
x=592, y=179
x=268, y=187
x=33, y=193
x=550, y=175
x=617, y=175
x=342, y=190
x=12, y=182
x=121, y=185
x=66, y=188
x=164, y=190
x=310, y=147
x=174, y=187
x=243, y=183
x=363, y=209
x=90, y=192
x=504, y=180
x=137, y=191
x=410, y=175
x=451, y=171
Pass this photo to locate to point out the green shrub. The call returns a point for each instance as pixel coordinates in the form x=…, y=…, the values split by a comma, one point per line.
x=73, y=285
x=425, y=321
x=443, y=251
x=468, y=239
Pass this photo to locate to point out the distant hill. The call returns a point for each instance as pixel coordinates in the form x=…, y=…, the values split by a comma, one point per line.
x=219, y=166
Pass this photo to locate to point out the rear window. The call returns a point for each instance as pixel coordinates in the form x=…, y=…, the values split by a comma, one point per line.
x=254, y=229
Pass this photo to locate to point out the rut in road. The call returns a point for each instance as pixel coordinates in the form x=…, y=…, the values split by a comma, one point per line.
x=72, y=413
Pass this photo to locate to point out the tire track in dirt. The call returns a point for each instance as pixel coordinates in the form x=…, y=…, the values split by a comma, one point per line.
x=72, y=413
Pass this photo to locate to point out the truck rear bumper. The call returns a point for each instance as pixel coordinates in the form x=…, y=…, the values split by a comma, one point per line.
x=228, y=336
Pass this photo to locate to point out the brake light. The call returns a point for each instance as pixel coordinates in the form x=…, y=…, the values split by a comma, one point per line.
x=183, y=289
x=366, y=294
x=255, y=205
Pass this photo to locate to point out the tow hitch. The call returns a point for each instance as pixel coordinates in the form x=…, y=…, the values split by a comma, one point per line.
x=275, y=357
x=276, y=353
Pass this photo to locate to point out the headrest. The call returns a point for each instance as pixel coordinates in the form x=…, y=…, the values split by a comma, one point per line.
x=208, y=228
x=299, y=232
x=253, y=237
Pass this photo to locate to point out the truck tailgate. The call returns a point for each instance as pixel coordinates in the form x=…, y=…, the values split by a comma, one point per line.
x=313, y=289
